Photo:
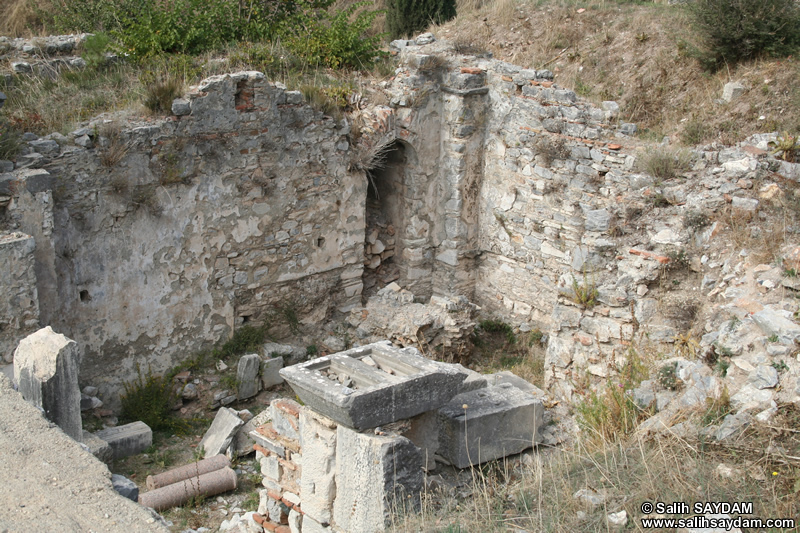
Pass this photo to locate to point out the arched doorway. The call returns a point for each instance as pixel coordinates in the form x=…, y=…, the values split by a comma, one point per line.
x=385, y=218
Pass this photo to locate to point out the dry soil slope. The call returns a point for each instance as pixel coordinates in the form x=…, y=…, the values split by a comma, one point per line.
x=48, y=482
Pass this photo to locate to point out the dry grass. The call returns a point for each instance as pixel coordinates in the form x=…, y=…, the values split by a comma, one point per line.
x=539, y=496
x=639, y=56
x=17, y=17
x=44, y=105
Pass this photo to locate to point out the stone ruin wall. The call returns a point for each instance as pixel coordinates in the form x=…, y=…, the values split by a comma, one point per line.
x=505, y=188
x=197, y=225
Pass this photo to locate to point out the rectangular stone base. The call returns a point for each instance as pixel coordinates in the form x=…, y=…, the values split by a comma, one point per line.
x=487, y=424
x=127, y=440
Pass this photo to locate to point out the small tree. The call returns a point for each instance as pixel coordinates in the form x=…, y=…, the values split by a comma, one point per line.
x=736, y=30
x=406, y=17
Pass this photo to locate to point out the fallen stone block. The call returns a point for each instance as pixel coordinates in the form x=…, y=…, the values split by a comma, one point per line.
x=219, y=436
x=270, y=372
x=98, y=447
x=125, y=487
x=179, y=493
x=375, y=476
x=128, y=439
x=187, y=471
x=400, y=384
x=46, y=366
x=243, y=440
x=498, y=378
x=487, y=424
x=247, y=376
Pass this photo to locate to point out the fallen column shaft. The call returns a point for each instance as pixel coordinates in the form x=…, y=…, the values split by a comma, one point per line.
x=209, y=484
x=198, y=468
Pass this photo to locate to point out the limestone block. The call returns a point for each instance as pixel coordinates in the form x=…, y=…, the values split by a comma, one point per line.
x=309, y=525
x=764, y=377
x=270, y=372
x=243, y=440
x=128, y=439
x=496, y=422
x=247, y=376
x=775, y=322
x=732, y=90
x=220, y=435
x=295, y=521
x=424, y=433
x=98, y=447
x=285, y=418
x=317, y=478
x=374, y=475
x=46, y=366
x=403, y=385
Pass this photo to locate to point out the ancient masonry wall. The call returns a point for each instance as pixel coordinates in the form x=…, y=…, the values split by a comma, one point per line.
x=533, y=188
x=171, y=233
x=19, y=307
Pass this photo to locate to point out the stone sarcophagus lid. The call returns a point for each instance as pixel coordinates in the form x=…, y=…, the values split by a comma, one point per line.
x=372, y=385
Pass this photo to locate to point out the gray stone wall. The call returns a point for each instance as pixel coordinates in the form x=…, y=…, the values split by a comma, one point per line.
x=169, y=234
x=19, y=306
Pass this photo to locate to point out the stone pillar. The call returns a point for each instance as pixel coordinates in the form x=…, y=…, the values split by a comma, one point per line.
x=46, y=366
x=463, y=136
x=317, y=480
x=374, y=476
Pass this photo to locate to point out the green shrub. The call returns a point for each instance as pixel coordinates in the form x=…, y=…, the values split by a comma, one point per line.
x=336, y=40
x=94, y=50
x=498, y=326
x=245, y=339
x=407, y=17
x=736, y=30
x=149, y=399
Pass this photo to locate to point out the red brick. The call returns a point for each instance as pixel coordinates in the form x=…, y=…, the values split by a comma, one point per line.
x=289, y=407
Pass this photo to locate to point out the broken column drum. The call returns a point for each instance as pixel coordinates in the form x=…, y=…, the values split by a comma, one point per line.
x=198, y=468
x=374, y=384
x=181, y=492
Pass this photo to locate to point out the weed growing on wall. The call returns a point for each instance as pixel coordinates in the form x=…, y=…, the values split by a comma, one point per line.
x=611, y=414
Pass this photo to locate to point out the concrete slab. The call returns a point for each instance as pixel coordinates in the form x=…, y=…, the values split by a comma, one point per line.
x=374, y=476
x=373, y=385
x=247, y=376
x=219, y=436
x=46, y=366
x=128, y=439
x=487, y=424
